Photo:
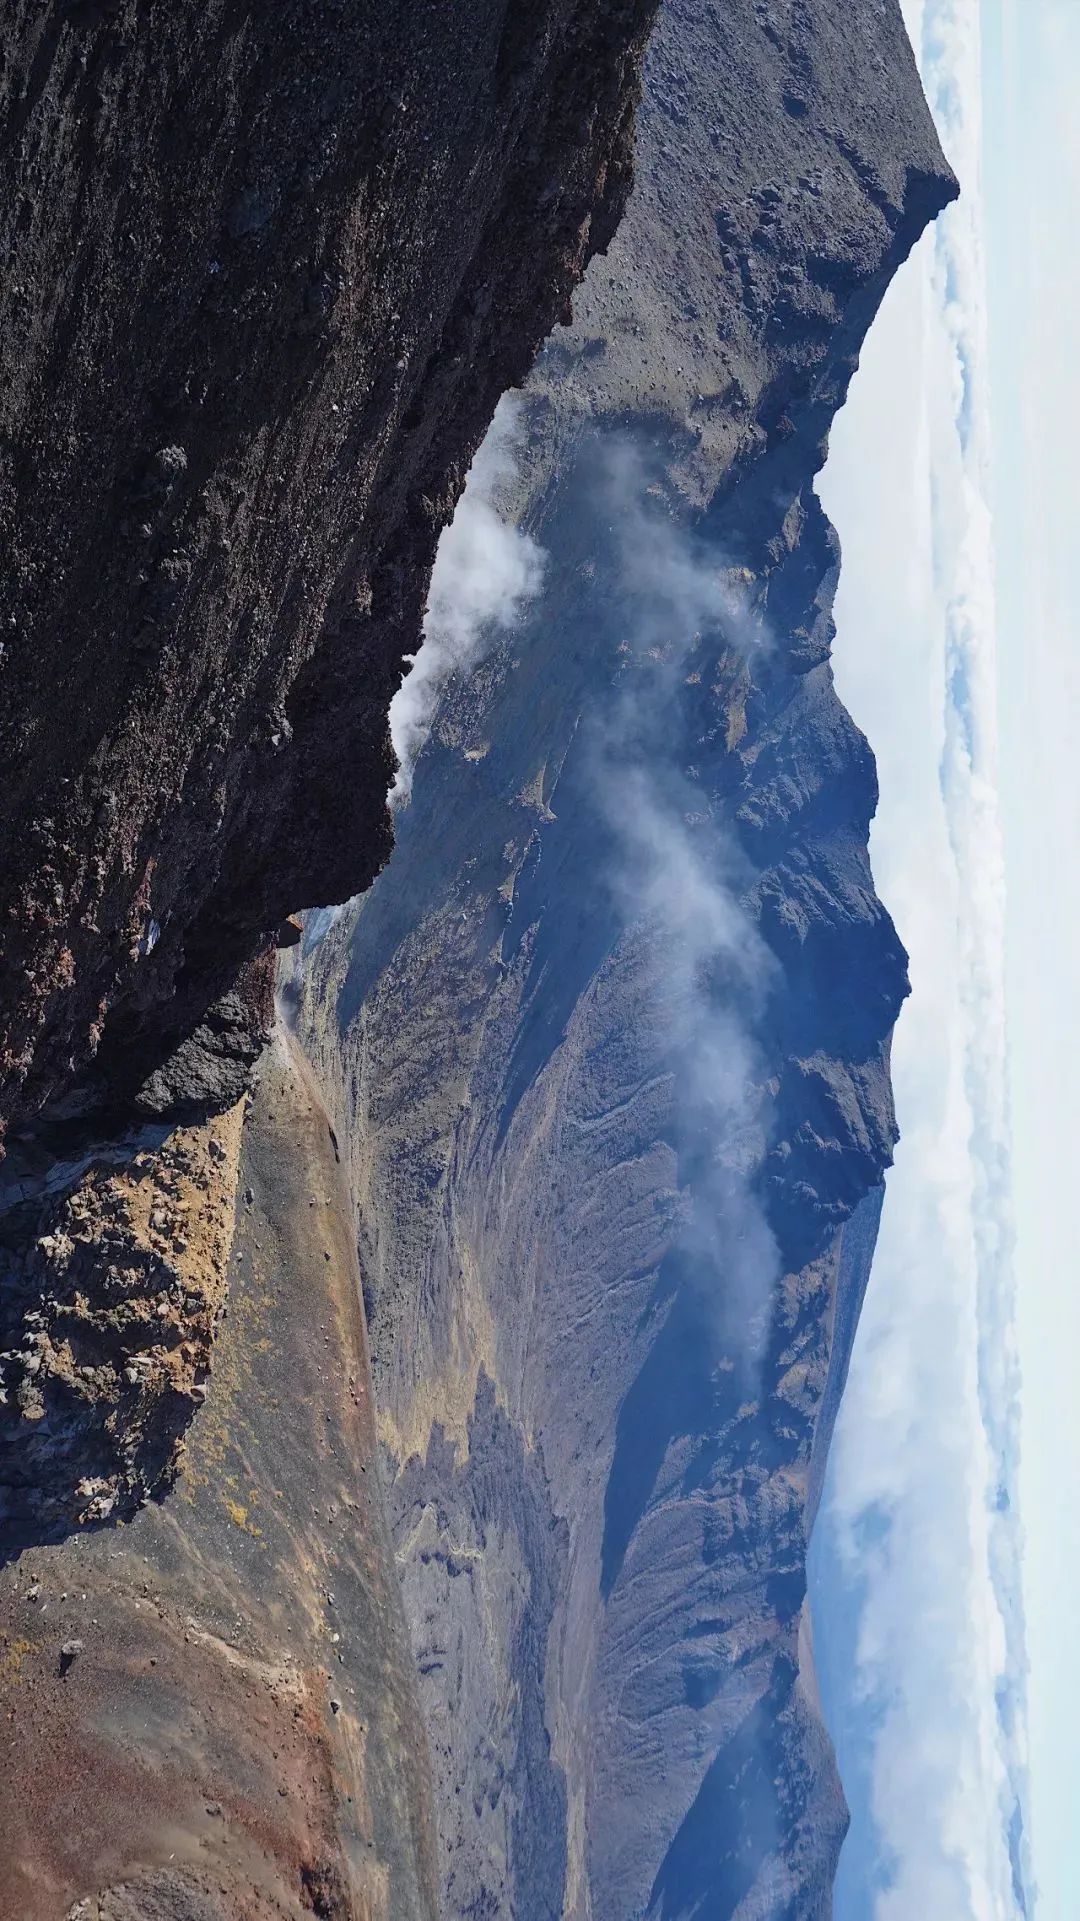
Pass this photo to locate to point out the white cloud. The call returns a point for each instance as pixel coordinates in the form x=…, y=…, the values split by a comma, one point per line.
x=927, y=1441
x=1033, y=172
x=486, y=570
x=710, y=972
x=677, y=877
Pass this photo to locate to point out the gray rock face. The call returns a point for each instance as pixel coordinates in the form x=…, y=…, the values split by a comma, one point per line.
x=610, y=1036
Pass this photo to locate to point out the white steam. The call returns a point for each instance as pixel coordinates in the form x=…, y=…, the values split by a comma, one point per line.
x=486, y=570
x=676, y=875
x=711, y=966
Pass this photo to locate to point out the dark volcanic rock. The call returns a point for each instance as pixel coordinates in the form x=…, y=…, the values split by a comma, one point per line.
x=267, y=271
x=611, y=1035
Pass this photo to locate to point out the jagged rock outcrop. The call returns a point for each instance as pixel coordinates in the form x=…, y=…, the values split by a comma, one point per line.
x=610, y=1036
x=267, y=272
x=114, y=1286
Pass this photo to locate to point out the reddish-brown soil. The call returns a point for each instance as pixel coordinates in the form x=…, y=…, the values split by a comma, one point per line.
x=233, y=1733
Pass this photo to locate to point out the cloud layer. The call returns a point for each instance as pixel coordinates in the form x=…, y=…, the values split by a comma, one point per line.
x=920, y=1533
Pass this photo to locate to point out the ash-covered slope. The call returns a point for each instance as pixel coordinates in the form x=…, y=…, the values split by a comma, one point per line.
x=610, y=1036
x=210, y=1713
x=266, y=272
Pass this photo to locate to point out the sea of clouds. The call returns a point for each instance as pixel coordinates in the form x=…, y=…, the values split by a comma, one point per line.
x=919, y=1545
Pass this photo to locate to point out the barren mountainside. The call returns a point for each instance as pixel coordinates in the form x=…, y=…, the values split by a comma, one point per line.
x=610, y=1035
x=415, y=1391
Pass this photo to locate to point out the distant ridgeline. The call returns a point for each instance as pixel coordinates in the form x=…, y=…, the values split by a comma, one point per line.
x=608, y=1040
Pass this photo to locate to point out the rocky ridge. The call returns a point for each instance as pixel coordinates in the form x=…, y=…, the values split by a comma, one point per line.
x=611, y=1291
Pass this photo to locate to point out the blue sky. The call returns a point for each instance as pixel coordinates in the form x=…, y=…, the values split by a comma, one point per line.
x=952, y=483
